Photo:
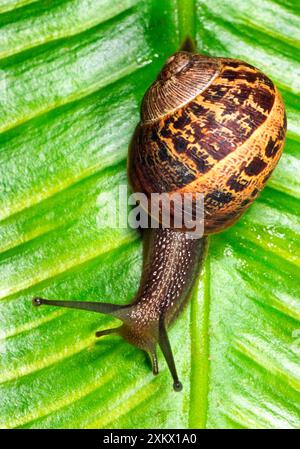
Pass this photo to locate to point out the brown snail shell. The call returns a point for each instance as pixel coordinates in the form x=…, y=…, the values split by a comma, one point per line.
x=215, y=126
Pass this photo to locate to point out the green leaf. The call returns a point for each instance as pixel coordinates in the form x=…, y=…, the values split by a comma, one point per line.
x=72, y=76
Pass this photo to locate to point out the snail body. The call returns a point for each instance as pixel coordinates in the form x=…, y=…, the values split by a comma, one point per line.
x=210, y=126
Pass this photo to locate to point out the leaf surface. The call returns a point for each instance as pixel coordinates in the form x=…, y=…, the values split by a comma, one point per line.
x=72, y=76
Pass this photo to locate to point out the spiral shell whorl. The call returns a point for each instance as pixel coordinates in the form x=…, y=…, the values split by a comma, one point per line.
x=183, y=77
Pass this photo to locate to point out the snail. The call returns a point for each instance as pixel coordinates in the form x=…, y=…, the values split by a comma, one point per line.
x=214, y=126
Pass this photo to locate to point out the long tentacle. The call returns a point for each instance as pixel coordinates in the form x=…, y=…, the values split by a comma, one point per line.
x=165, y=346
x=99, y=307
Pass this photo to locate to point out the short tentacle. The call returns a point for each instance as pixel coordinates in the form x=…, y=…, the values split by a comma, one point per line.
x=154, y=362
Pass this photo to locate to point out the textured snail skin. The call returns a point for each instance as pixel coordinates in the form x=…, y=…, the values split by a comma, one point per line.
x=212, y=126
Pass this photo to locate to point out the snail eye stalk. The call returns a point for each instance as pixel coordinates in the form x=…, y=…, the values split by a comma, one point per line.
x=165, y=346
x=100, y=307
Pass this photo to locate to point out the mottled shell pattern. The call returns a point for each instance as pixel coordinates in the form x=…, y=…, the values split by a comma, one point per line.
x=210, y=125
